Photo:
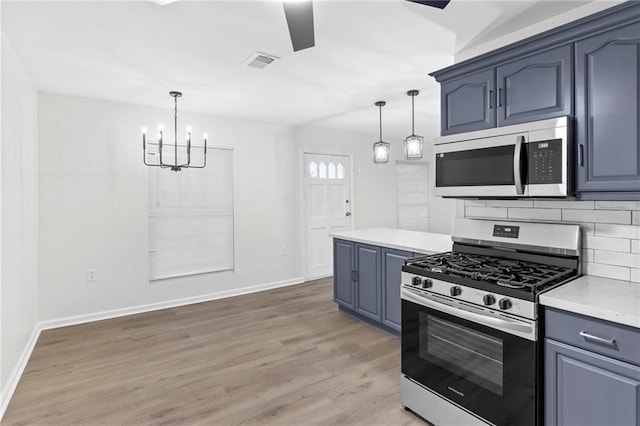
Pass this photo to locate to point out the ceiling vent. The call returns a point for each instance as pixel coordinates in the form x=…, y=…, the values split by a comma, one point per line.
x=260, y=60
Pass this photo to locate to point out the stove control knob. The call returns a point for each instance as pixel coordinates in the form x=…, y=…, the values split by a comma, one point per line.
x=489, y=299
x=427, y=283
x=417, y=281
x=455, y=290
x=504, y=303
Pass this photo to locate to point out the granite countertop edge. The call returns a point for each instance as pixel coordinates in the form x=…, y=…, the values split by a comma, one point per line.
x=399, y=239
x=597, y=297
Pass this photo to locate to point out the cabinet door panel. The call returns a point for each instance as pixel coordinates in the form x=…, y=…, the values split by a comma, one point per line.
x=343, y=254
x=392, y=261
x=466, y=103
x=536, y=87
x=607, y=111
x=583, y=388
x=368, y=283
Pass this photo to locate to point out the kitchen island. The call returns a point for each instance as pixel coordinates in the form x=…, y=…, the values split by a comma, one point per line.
x=366, y=271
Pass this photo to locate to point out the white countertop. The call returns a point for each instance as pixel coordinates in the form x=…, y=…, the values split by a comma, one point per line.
x=604, y=298
x=417, y=242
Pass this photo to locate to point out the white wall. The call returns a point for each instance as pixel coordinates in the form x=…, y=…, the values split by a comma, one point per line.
x=374, y=185
x=93, y=202
x=537, y=28
x=18, y=224
x=93, y=206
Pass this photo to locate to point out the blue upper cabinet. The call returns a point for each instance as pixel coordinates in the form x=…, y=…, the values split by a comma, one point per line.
x=536, y=87
x=533, y=88
x=468, y=103
x=607, y=114
x=588, y=69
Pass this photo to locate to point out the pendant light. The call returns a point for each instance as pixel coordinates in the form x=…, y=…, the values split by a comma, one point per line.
x=413, y=143
x=381, y=148
x=184, y=151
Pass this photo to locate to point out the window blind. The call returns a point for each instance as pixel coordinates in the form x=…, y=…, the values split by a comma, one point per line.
x=412, y=189
x=191, y=218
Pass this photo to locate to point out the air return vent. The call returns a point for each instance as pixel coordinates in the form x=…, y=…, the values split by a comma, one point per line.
x=260, y=60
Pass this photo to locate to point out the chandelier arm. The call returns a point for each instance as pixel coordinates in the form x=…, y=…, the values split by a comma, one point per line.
x=189, y=150
x=204, y=162
x=160, y=147
x=144, y=149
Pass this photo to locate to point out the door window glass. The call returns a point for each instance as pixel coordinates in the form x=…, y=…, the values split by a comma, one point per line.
x=323, y=170
x=332, y=171
x=313, y=169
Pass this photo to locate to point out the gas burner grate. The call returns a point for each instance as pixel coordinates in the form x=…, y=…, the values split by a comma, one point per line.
x=516, y=274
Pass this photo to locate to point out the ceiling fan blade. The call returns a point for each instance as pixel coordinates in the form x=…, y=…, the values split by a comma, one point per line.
x=440, y=4
x=300, y=21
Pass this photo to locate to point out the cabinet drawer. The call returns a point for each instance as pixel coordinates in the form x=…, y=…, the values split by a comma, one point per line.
x=603, y=337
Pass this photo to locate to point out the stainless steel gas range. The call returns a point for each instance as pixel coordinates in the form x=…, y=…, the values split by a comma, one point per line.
x=471, y=331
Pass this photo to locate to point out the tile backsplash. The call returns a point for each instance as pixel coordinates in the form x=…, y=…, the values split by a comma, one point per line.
x=610, y=229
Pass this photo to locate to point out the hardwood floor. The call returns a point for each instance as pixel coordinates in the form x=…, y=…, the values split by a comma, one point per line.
x=280, y=357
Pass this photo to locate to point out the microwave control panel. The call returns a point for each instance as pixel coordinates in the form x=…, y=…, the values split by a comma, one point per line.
x=545, y=161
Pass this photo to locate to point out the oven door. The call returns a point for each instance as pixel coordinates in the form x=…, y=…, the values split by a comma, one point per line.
x=489, y=372
x=488, y=167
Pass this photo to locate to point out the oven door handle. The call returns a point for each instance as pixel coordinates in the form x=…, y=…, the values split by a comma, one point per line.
x=503, y=324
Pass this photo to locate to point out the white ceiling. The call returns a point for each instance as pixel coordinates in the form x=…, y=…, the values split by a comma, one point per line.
x=137, y=51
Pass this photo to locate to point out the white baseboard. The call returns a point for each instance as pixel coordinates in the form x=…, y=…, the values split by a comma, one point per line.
x=18, y=369
x=16, y=374
x=319, y=277
x=121, y=312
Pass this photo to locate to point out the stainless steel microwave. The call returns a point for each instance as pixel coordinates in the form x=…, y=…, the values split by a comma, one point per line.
x=525, y=160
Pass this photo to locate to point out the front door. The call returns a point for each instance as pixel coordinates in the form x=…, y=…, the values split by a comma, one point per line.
x=327, y=208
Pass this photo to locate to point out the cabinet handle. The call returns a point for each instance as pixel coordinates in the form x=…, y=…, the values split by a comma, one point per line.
x=581, y=155
x=354, y=276
x=499, y=97
x=490, y=99
x=595, y=339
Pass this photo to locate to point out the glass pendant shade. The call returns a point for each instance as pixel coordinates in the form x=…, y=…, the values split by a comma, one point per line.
x=381, y=149
x=413, y=143
x=381, y=152
x=413, y=147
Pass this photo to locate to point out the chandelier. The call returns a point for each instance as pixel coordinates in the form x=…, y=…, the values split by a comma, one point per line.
x=165, y=149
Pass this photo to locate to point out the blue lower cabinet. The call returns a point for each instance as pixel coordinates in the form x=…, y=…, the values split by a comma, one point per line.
x=584, y=384
x=584, y=388
x=366, y=282
x=343, y=273
x=392, y=261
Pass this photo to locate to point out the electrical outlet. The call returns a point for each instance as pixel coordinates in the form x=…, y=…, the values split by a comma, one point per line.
x=91, y=275
x=283, y=251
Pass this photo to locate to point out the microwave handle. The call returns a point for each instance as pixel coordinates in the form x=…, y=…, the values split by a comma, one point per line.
x=517, y=165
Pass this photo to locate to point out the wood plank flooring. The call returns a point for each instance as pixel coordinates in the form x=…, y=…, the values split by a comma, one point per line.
x=280, y=357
